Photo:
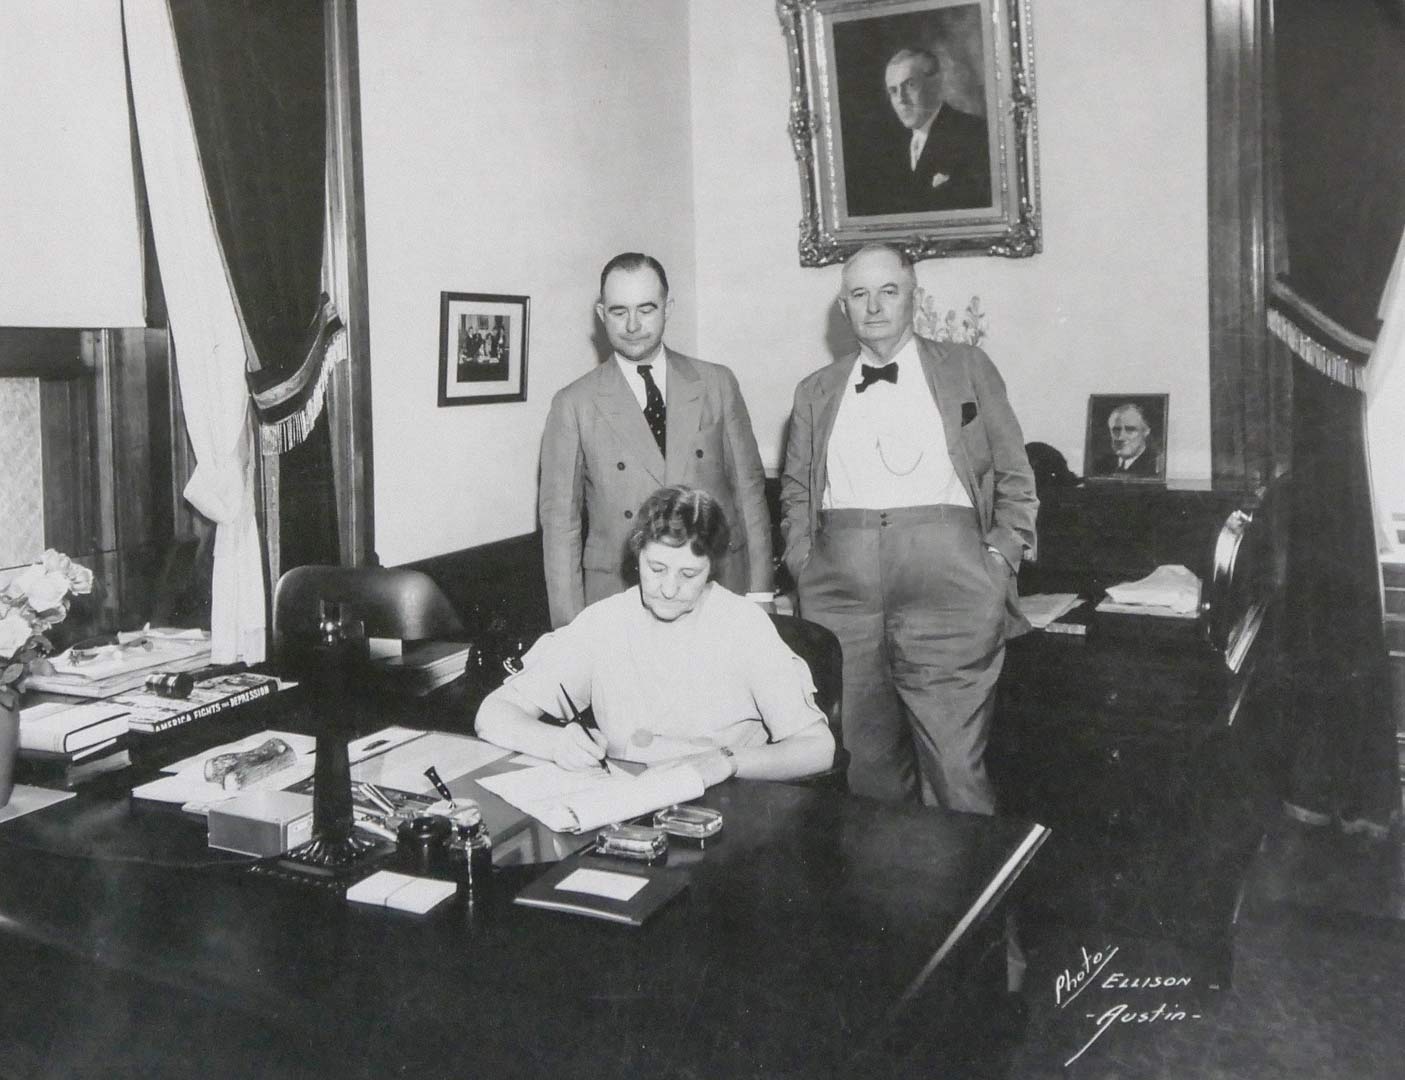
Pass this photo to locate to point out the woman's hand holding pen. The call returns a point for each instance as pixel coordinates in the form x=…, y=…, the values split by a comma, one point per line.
x=578, y=749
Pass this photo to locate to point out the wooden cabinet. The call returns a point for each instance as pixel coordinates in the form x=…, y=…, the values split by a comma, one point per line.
x=1142, y=746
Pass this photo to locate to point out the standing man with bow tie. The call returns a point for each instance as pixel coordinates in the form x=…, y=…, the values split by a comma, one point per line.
x=907, y=504
x=647, y=418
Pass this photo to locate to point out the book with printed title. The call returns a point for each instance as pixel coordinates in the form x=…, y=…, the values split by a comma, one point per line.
x=148, y=713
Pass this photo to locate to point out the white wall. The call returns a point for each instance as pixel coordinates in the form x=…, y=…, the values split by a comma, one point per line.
x=70, y=252
x=514, y=145
x=510, y=146
x=1116, y=303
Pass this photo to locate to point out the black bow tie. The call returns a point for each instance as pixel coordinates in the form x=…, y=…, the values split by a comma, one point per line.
x=871, y=375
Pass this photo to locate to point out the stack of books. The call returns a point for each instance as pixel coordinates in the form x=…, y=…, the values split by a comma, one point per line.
x=64, y=744
x=148, y=713
x=105, y=670
x=425, y=666
x=67, y=742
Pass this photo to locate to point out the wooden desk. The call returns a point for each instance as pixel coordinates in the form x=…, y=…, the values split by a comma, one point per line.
x=821, y=934
x=1142, y=747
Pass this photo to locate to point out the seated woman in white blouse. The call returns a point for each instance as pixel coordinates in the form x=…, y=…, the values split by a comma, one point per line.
x=676, y=668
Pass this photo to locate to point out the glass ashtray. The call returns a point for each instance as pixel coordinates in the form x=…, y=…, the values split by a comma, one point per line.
x=638, y=842
x=690, y=822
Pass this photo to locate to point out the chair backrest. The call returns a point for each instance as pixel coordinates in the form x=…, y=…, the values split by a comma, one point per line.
x=819, y=648
x=393, y=603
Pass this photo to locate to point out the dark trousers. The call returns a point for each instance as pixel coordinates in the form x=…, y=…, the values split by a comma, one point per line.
x=918, y=605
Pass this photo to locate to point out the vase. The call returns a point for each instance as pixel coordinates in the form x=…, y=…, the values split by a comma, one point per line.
x=9, y=750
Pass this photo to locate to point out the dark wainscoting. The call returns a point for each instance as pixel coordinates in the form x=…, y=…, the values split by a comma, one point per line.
x=496, y=588
x=499, y=591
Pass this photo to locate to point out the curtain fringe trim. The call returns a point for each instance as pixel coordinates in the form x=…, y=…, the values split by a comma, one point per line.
x=1311, y=351
x=283, y=435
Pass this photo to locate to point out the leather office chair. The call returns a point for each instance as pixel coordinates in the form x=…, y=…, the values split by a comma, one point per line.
x=820, y=649
x=391, y=602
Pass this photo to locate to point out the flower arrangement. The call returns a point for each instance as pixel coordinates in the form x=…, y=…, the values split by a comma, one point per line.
x=969, y=330
x=31, y=602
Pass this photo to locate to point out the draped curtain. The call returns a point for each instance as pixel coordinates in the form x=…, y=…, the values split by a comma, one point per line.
x=231, y=114
x=1343, y=765
x=1339, y=83
x=205, y=330
x=255, y=74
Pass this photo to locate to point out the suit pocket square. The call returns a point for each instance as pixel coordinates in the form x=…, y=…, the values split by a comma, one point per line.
x=968, y=412
x=938, y=179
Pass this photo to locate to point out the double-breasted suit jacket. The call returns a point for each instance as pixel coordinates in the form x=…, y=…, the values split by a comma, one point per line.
x=599, y=462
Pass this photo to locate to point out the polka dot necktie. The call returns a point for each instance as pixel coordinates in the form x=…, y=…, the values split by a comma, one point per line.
x=654, y=411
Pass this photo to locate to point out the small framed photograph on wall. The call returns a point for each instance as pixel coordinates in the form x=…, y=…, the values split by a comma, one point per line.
x=482, y=348
x=1126, y=438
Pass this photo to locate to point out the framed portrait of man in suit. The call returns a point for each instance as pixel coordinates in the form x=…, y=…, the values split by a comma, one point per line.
x=1126, y=440
x=913, y=122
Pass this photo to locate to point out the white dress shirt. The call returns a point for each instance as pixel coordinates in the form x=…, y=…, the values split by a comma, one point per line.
x=658, y=369
x=888, y=447
x=919, y=140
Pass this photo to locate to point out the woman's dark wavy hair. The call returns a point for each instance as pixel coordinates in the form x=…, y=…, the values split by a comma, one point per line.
x=676, y=516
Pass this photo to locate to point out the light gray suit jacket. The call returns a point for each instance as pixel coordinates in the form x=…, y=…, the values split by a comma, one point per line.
x=599, y=462
x=982, y=436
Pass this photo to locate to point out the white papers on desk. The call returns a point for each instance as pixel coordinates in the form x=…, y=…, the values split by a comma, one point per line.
x=451, y=755
x=1167, y=590
x=25, y=800
x=1043, y=608
x=112, y=669
x=189, y=788
x=401, y=892
x=302, y=745
x=567, y=801
x=380, y=742
x=602, y=883
x=394, y=757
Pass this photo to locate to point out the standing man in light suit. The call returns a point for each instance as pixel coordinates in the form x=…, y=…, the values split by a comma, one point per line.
x=908, y=503
x=646, y=418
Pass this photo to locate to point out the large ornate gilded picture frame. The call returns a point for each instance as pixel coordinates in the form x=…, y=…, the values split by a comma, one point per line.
x=913, y=122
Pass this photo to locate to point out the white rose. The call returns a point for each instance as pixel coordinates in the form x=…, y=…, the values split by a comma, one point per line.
x=80, y=579
x=44, y=591
x=14, y=633
x=56, y=562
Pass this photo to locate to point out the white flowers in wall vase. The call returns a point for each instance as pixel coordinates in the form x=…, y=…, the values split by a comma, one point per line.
x=967, y=329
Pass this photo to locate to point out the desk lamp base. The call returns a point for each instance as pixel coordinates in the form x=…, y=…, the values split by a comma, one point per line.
x=328, y=861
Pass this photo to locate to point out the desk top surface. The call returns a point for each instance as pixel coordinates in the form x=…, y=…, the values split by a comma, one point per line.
x=805, y=924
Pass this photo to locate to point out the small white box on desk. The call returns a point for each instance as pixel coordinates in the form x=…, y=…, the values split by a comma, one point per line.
x=261, y=822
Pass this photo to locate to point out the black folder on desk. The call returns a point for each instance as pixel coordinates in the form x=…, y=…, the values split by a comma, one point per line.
x=603, y=888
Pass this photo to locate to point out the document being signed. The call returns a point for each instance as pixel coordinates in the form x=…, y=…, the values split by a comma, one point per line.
x=567, y=801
